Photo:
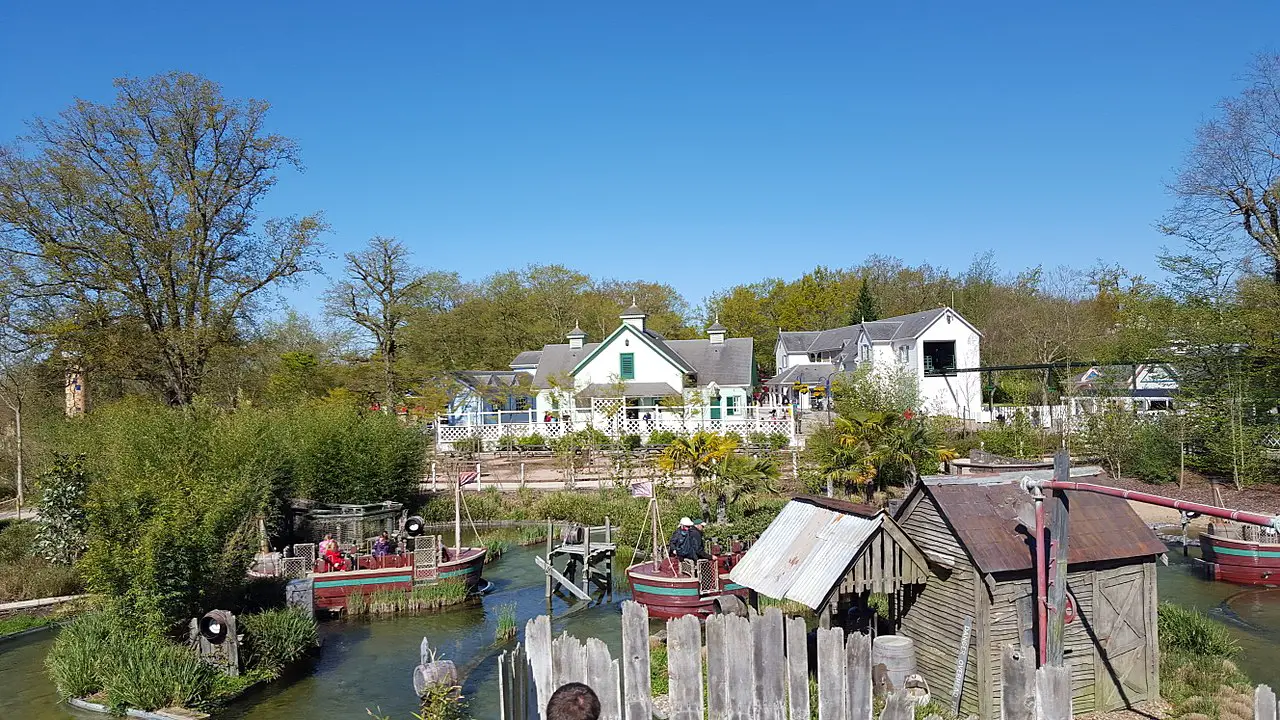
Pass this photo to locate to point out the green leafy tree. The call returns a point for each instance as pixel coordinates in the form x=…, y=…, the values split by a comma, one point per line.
x=63, y=521
x=135, y=225
x=742, y=482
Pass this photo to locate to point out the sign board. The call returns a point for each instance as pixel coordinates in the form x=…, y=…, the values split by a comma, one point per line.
x=958, y=686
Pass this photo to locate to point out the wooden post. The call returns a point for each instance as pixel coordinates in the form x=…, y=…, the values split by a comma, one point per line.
x=684, y=667
x=857, y=673
x=522, y=473
x=478, y=484
x=549, y=533
x=831, y=673
x=1058, y=535
x=717, y=662
x=1264, y=703
x=433, y=476
x=1018, y=673
x=635, y=657
x=797, y=669
x=586, y=559
x=769, y=683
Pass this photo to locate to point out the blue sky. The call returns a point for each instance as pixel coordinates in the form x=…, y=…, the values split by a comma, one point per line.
x=701, y=144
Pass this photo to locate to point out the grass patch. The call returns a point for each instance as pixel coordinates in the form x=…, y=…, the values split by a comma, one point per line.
x=1188, y=630
x=24, y=575
x=21, y=623
x=1197, y=675
x=391, y=601
x=495, y=548
x=658, y=679
x=277, y=638
x=506, y=629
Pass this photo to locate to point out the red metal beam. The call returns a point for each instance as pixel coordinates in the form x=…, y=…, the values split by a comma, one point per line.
x=1244, y=516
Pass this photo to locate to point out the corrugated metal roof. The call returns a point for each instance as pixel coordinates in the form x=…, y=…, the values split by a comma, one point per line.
x=804, y=552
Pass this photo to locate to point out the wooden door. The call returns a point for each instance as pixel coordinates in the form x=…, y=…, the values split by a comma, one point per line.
x=1121, y=621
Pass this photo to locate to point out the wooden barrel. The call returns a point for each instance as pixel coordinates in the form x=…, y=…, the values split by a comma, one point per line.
x=898, y=655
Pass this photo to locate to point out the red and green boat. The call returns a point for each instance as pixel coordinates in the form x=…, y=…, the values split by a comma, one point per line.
x=1242, y=554
x=399, y=572
x=672, y=588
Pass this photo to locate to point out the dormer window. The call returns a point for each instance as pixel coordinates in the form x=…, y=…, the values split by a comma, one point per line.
x=904, y=354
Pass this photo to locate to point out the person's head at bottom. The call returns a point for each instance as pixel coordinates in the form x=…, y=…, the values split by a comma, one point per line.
x=573, y=701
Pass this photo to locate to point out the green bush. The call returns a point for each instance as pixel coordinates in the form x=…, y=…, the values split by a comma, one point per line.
x=1017, y=438
x=76, y=658
x=629, y=442
x=769, y=441
x=532, y=441
x=734, y=436
x=1191, y=631
x=17, y=541
x=661, y=437
x=508, y=443
x=26, y=576
x=278, y=637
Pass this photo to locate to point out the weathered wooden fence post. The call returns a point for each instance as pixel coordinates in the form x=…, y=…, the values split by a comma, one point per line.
x=770, y=689
x=797, y=668
x=857, y=676
x=684, y=665
x=537, y=640
x=1264, y=703
x=831, y=674
x=1017, y=680
x=635, y=658
x=717, y=682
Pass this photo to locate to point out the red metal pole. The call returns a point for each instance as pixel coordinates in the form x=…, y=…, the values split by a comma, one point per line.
x=1244, y=516
x=1042, y=582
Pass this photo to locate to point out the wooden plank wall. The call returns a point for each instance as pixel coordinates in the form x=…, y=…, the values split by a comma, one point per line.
x=757, y=668
x=935, y=618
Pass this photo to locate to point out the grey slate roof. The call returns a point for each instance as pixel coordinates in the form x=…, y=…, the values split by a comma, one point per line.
x=665, y=348
x=725, y=364
x=717, y=327
x=807, y=374
x=490, y=378
x=894, y=328
x=633, y=389
x=528, y=358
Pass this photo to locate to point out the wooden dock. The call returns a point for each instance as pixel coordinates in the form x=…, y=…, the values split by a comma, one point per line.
x=587, y=548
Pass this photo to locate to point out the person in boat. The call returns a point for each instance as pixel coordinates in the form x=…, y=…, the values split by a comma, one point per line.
x=329, y=551
x=382, y=545
x=687, y=543
x=573, y=701
x=699, y=540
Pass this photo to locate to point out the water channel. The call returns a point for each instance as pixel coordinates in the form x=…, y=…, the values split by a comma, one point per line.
x=366, y=664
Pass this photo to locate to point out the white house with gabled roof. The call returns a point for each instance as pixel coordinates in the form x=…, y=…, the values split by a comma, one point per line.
x=930, y=345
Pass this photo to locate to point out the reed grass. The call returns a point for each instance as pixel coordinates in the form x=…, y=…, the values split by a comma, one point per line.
x=506, y=629
x=494, y=549
x=278, y=637
x=419, y=599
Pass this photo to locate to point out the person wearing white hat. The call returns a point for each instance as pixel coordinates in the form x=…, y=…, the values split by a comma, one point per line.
x=686, y=522
x=679, y=543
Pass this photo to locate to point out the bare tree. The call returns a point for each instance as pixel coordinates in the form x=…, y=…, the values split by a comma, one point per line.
x=140, y=216
x=376, y=295
x=1230, y=182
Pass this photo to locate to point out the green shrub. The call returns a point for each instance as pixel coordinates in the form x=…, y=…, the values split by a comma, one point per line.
x=533, y=440
x=17, y=541
x=661, y=437
x=769, y=441
x=629, y=442
x=76, y=658
x=470, y=445
x=1017, y=438
x=658, y=680
x=734, y=436
x=63, y=520
x=278, y=637
x=508, y=443
x=506, y=629
x=1188, y=630
x=150, y=673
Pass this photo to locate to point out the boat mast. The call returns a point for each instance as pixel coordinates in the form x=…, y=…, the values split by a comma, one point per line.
x=457, y=517
x=657, y=528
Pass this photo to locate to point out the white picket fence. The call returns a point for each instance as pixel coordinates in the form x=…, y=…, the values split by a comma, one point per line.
x=490, y=427
x=757, y=668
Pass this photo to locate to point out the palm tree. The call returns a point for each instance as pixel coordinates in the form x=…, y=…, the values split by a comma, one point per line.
x=886, y=446
x=699, y=454
x=742, y=481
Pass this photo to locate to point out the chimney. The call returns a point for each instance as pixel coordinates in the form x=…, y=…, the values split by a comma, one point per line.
x=576, y=337
x=633, y=316
x=715, y=333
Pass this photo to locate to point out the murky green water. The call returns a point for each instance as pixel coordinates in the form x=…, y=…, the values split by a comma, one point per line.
x=367, y=664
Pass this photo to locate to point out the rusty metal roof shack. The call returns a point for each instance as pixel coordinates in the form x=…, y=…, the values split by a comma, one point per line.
x=983, y=512
x=816, y=545
x=981, y=598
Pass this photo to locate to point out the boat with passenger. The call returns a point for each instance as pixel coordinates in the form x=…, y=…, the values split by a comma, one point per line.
x=671, y=586
x=1241, y=553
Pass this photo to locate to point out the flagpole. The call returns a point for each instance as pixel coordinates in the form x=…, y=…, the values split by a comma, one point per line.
x=457, y=517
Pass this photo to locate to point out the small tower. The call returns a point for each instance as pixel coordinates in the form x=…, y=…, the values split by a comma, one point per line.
x=576, y=337
x=715, y=333
x=633, y=316
x=76, y=400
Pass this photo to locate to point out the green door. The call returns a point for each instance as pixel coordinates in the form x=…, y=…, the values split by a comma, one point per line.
x=715, y=409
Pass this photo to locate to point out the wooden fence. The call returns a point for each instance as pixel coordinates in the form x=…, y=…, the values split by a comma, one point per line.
x=756, y=668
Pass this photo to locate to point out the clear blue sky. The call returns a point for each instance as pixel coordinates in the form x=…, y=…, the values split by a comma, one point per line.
x=701, y=144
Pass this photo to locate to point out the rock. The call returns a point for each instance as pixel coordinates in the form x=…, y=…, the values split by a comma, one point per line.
x=661, y=707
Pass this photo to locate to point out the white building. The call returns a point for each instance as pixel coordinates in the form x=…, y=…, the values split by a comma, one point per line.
x=931, y=345
x=635, y=382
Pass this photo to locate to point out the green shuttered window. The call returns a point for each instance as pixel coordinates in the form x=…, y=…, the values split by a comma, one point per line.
x=627, y=366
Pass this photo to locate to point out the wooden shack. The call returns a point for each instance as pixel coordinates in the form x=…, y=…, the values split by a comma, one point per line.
x=982, y=591
x=830, y=555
